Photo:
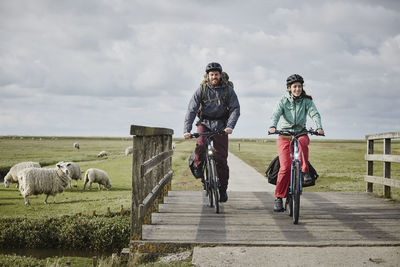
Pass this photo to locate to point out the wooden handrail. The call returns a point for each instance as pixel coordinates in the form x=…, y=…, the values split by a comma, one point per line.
x=386, y=158
x=151, y=172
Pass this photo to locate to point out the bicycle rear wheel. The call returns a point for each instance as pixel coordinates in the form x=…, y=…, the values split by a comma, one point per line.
x=296, y=192
x=208, y=183
x=214, y=183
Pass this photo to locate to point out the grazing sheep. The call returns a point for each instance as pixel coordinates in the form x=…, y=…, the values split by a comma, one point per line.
x=93, y=175
x=75, y=172
x=35, y=181
x=76, y=145
x=129, y=150
x=102, y=154
x=11, y=176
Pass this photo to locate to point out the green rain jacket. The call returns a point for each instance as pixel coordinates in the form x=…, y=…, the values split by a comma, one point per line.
x=292, y=114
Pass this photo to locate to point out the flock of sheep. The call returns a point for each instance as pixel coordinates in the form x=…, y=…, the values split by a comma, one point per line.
x=34, y=180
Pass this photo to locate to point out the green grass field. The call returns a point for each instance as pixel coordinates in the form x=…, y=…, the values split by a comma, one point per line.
x=340, y=164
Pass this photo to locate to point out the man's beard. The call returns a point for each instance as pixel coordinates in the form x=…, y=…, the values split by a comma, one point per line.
x=214, y=82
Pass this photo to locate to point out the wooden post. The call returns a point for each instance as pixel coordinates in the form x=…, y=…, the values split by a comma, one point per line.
x=370, y=164
x=386, y=169
x=239, y=147
x=94, y=261
x=108, y=211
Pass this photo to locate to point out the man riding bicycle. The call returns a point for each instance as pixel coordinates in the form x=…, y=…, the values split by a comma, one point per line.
x=291, y=112
x=217, y=107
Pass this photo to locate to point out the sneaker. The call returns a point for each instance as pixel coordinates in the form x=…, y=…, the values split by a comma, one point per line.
x=223, y=196
x=278, y=205
x=198, y=171
x=307, y=179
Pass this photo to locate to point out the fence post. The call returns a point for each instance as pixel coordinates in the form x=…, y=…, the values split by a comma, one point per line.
x=370, y=164
x=386, y=170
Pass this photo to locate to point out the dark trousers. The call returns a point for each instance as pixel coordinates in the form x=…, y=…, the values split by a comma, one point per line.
x=221, y=154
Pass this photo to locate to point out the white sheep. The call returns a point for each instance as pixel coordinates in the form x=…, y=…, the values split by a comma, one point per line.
x=102, y=154
x=75, y=172
x=76, y=145
x=173, y=145
x=93, y=175
x=11, y=176
x=129, y=150
x=35, y=181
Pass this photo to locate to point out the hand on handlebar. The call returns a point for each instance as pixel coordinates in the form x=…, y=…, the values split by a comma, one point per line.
x=271, y=130
x=187, y=135
x=321, y=132
x=228, y=130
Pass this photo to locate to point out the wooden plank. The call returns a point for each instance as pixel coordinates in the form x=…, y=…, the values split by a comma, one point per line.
x=382, y=180
x=154, y=161
x=139, y=130
x=391, y=135
x=381, y=157
x=148, y=201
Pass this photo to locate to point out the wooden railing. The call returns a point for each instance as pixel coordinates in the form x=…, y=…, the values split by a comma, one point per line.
x=386, y=157
x=151, y=173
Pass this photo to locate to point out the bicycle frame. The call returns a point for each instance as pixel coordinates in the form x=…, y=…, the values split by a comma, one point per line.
x=295, y=155
x=212, y=179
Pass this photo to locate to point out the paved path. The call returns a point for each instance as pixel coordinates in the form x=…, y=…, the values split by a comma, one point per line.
x=245, y=178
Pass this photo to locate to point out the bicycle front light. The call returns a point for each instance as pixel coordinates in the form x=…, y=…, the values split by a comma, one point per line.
x=296, y=155
x=210, y=151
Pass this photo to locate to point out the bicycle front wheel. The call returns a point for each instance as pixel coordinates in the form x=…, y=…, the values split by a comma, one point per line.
x=296, y=192
x=208, y=184
x=214, y=184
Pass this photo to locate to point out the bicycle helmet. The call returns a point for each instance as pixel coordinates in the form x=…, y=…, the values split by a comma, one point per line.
x=294, y=78
x=213, y=66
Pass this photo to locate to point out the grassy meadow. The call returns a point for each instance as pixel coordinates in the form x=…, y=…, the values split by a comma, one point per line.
x=339, y=163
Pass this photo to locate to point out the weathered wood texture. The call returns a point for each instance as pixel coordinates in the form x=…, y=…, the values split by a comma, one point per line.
x=326, y=219
x=386, y=158
x=151, y=172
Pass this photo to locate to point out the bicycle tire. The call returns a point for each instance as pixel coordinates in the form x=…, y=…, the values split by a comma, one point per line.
x=208, y=181
x=289, y=204
x=214, y=179
x=296, y=192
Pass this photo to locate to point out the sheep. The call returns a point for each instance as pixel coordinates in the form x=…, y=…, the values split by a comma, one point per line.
x=93, y=175
x=173, y=145
x=11, y=176
x=129, y=150
x=75, y=172
x=76, y=145
x=35, y=181
x=102, y=154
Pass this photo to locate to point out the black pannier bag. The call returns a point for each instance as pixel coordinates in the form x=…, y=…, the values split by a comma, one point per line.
x=191, y=165
x=273, y=168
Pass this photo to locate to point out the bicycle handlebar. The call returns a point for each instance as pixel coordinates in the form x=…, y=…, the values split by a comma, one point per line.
x=296, y=134
x=196, y=135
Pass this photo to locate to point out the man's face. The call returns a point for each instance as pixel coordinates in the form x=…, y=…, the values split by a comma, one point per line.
x=214, y=77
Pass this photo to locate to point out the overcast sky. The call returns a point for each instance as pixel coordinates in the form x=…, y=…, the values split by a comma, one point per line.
x=93, y=68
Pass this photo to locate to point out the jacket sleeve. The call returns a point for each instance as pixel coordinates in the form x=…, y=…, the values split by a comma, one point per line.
x=314, y=114
x=277, y=113
x=191, y=113
x=234, y=110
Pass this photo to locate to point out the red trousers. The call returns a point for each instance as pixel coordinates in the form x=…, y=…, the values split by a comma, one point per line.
x=221, y=154
x=285, y=161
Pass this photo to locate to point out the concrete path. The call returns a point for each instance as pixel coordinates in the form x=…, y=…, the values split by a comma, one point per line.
x=296, y=256
x=245, y=178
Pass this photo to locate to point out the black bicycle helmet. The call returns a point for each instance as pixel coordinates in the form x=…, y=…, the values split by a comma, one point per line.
x=294, y=78
x=213, y=66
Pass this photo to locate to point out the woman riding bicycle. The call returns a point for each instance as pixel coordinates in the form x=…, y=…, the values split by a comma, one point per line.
x=291, y=112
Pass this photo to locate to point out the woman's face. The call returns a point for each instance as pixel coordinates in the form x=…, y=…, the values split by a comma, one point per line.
x=296, y=89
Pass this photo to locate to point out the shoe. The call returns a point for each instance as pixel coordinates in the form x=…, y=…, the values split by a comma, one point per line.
x=307, y=179
x=223, y=196
x=198, y=171
x=278, y=205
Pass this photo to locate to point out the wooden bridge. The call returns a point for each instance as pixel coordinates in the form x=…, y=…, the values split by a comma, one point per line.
x=182, y=219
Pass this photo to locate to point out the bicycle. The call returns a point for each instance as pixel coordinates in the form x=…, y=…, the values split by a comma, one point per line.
x=211, y=181
x=292, y=204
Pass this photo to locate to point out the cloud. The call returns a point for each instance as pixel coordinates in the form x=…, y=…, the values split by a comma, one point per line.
x=94, y=68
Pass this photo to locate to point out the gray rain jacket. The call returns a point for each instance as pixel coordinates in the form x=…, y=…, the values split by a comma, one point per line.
x=218, y=112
